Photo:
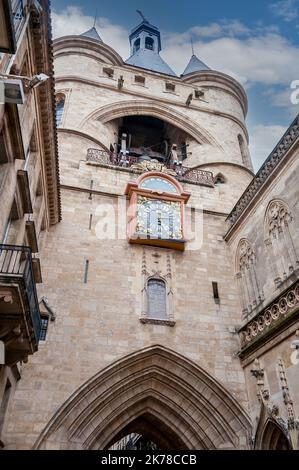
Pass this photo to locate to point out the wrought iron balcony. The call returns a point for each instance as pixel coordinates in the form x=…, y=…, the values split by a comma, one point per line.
x=20, y=322
x=133, y=163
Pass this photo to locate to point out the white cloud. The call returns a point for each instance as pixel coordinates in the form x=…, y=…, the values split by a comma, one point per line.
x=73, y=21
x=263, y=139
x=288, y=10
x=269, y=59
x=259, y=55
x=281, y=98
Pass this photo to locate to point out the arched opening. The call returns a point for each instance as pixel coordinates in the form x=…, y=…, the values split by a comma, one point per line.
x=60, y=100
x=149, y=43
x=274, y=439
x=136, y=46
x=147, y=137
x=154, y=392
x=156, y=298
x=147, y=432
x=219, y=179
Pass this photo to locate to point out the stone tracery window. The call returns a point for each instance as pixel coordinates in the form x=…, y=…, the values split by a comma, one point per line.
x=246, y=277
x=279, y=240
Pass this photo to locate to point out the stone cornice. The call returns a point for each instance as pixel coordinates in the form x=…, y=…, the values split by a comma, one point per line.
x=275, y=158
x=74, y=78
x=41, y=32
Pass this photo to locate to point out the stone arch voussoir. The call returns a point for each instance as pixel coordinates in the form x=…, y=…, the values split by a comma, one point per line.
x=157, y=385
x=149, y=108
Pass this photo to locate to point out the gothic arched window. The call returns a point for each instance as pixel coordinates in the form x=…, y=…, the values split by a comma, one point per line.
x=246, y=276
x=156, y=298
x=219, y=179
x=60, y=100
x=279, y=240
x=149, y=43
x=136, y=46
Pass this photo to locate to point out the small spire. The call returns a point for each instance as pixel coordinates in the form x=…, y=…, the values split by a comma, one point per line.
x=192, y=46
x=95, y=19
x=195, y=65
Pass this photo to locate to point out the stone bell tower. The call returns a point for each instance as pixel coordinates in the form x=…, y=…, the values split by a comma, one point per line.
x=144, y=338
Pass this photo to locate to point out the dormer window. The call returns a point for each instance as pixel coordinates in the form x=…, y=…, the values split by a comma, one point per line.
x=108, y=72
x=149, y=43
x=139, y=80
x=136, y=46
x=170, y=87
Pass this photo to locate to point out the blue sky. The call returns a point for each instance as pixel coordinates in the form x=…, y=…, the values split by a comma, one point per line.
x=257, y=42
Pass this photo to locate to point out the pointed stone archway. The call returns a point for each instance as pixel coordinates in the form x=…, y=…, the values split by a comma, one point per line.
x=271, y=432
x=274, y=438
x=155, y=392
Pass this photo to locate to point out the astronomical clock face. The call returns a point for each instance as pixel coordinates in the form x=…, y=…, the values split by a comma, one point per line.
x=158, y=219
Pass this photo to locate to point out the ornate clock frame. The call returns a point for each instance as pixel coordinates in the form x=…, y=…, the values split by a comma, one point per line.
x=134, y=191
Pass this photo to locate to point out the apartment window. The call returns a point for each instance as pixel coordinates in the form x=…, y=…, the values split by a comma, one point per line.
x=169, y=87
x=139, y=80
x=108, y=72
x=44, y=327
x=156, y=291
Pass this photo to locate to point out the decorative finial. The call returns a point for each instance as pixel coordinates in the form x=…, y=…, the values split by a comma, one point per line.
x=142, y=16
x=192, y=46
x=95, y=18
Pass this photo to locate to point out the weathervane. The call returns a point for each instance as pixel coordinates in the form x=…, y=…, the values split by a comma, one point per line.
x=142, y=16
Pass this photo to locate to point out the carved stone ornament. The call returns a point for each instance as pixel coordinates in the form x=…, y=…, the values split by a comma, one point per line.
x=153, y=165
x=273, y=313
x=246, y=254
x=277, y=215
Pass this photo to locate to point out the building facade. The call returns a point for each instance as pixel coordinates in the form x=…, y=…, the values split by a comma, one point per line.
x=29, y=183
x=169, y=259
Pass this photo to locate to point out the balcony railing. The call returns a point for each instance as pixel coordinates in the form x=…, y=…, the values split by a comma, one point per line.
x=183, y=173
x=16, y=267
